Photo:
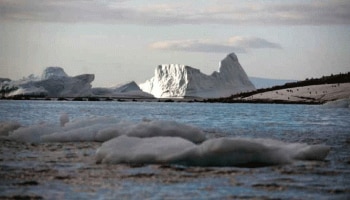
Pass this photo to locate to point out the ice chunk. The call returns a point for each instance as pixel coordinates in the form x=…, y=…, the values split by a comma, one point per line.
x=134, y=150
x=80, y=130
x=7, y=127
x=249, y=152
x=232, y=152
x=167, y=128
x=213, y=152
x=79, y=123
x=33, y=133
x=153, y=129
x=82, y=134
x=115, y=130
x=312, y=152
x=64, y=118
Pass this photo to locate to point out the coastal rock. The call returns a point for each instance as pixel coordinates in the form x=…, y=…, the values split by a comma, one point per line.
x=174, y=80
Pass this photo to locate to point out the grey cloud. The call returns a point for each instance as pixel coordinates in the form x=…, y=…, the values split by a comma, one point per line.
x=309, y=13
x=253, y=42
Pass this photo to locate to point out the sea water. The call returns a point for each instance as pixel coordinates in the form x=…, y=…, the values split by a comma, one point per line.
x=312, y=124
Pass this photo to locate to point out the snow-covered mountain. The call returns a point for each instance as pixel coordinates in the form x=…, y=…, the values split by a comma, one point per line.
x=54, y=82
x=173, y=80
x=129, y=90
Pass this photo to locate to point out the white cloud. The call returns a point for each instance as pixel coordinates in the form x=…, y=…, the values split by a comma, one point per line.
x=327, y=12
x=237, y=44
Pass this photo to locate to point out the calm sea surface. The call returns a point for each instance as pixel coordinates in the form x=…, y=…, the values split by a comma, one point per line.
x=312, y=124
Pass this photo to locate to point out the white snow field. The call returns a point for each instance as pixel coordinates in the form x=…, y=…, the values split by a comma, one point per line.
x=321, y=93
x=174, y=80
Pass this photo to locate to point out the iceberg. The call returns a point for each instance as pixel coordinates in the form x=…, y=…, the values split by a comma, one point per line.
x=54, y=82
x=174, y=80
x=128, y=90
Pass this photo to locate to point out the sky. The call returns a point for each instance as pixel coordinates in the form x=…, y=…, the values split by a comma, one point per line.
x=124, y=40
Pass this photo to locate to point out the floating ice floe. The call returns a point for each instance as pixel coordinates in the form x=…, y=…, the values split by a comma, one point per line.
x=213, y=152
x=33, y=134
x=157, y=128
x=7, y=127
x=163, y=142
x=100, y=129
x=135, y=150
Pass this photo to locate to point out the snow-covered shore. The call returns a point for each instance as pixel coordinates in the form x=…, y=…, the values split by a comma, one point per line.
x=308, y=94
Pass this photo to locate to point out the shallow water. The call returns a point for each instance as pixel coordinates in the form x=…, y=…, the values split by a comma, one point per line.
x=68, y=169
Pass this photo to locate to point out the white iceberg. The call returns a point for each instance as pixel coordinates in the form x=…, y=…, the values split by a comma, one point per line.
x=54, y=82
x=128, y=90
x=174, y=80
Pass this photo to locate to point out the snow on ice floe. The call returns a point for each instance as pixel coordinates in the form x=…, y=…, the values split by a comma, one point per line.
x=101, y=129
x=34, y=133
x=163, y=142
x=146, y=129
x=125, y=149
x=7, y=127
x=213, y=152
